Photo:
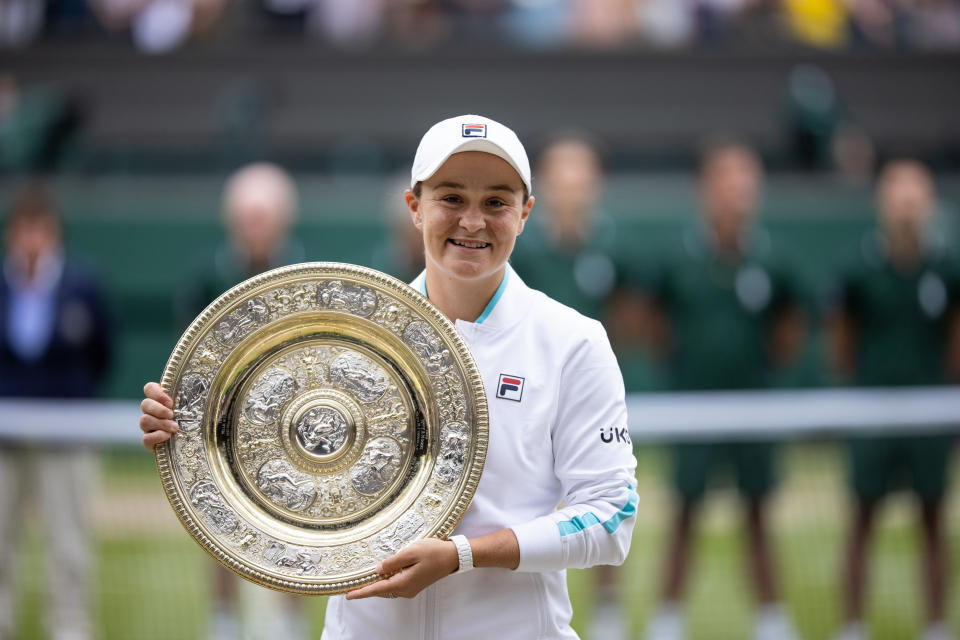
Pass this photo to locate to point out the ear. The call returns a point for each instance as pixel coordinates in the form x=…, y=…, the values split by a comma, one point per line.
x=524, y=214
x=413, y=204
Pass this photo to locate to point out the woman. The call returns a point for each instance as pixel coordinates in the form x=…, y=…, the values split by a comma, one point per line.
x=558, y=423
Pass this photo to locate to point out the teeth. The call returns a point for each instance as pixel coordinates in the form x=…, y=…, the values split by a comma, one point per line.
x=470, y=245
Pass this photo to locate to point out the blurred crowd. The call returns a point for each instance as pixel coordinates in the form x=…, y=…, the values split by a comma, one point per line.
x=159, y=26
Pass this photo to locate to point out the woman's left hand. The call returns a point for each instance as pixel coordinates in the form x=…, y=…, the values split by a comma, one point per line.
x=412, y=570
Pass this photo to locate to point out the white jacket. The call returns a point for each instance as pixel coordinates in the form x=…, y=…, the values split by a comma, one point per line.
x=558, y=434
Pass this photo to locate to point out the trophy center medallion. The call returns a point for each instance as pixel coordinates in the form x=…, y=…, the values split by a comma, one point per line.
x=322, y=429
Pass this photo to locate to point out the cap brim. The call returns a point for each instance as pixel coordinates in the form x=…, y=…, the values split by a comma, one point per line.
x=476, y=144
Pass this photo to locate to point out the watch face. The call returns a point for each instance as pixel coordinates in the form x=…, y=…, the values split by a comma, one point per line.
x=329, y=415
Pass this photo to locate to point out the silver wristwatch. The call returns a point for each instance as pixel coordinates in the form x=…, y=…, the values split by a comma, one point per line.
x=464, y=552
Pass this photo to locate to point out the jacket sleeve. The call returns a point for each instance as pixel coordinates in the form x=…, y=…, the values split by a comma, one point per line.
x=594, y=462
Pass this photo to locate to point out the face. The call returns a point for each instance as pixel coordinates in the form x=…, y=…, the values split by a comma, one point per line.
x=730, y=189
x=470, y=213
x=905, y=200
x=570, y=176
x=31, y=239
x=258, y=226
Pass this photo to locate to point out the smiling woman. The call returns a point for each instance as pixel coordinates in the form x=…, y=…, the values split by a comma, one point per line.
x=553, y=387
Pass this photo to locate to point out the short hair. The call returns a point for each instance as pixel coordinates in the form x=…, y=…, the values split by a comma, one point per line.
x=32, y=205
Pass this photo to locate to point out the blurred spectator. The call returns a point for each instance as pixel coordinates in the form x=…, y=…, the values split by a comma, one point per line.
x=934, y=24
x=37, y=127
x=727, y=318
x=875, y=22
x=351, y=25
x=54, y=343
x=539, y=24
x=818, y=23
x=813, y=112
x=897, y=323
x=158, y=26
x=259, y=208
x=603, y=23
x=416, y=24
x=566, y=250
x=21, y=21
x=666, y=23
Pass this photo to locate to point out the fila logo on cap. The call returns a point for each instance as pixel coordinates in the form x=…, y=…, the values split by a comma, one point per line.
x=474, y=131
x=510, y=387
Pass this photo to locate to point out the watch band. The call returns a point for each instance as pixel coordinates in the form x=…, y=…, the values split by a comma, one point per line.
x=464, y=552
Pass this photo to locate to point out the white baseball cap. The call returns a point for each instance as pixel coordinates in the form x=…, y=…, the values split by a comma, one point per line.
x=468, y=133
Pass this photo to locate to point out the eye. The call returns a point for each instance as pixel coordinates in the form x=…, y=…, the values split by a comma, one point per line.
x=496, y=203
x=452, y=199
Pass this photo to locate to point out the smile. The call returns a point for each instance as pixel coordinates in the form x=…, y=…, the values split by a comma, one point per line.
x=470, y=245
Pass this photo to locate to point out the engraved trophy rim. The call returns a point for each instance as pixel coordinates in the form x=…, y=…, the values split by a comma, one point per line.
x=326, y=321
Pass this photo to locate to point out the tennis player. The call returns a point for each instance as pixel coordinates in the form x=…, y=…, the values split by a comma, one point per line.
x=558, y=422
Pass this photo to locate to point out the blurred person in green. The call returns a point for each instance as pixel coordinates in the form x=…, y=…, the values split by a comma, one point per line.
x=896, y=323
x=260, y=205
x=724, y=316
x=567, y=251
x=55, y=342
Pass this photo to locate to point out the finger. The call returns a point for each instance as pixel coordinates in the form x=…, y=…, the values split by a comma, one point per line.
x=152, y=439
x=149, y=423
x=156, y=392
x=395, y=563
x=153, y=408
x=382, y=588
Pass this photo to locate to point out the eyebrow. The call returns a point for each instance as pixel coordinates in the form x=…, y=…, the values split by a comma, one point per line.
x=457, y=185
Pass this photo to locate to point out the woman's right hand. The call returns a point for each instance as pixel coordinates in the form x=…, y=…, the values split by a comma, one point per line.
x=157, y=420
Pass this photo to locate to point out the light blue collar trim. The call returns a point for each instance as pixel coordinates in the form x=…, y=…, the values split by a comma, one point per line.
x=496, y=297
x=490, y=305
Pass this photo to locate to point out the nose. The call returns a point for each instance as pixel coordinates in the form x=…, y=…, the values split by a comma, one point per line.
x=472, y=219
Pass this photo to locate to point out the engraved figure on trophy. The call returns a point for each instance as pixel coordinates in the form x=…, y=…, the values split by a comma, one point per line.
x=302, y=561
x=233, y=328
x=377, y=466
x=206, y=498
x=359, y=375
x=322, y=431
x=288, y=299
x=428, y=345
x=286, y=486
x=393, y=539
x=354, y=298
x=453, y=444
x=190, y=399
x=268, y=395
